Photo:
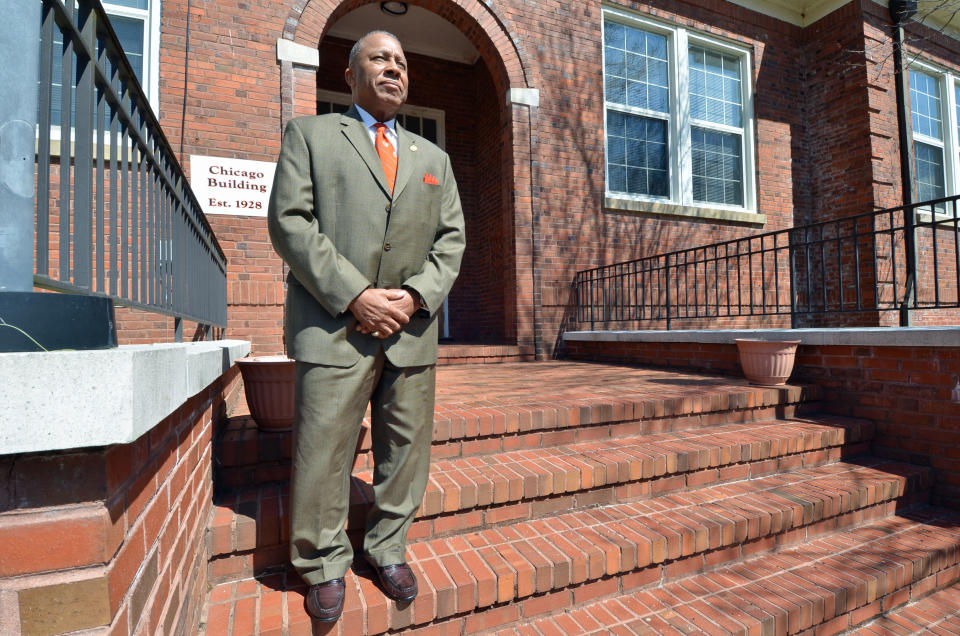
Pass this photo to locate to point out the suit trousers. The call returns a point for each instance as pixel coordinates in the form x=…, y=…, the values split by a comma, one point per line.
x=330, y=405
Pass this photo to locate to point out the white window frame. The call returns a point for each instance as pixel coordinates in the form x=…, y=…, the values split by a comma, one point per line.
x=151, y=64
x=947, y=81
x=680, y=123
x=150, y=16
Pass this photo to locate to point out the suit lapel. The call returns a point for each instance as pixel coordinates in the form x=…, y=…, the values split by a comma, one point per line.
x=356, y=133
x=406, y=157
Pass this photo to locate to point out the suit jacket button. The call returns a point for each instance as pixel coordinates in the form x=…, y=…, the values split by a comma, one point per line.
x=386, y=247
x=387, y=207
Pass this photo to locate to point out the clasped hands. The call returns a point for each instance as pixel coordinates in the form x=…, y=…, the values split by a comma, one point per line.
x=383, y=312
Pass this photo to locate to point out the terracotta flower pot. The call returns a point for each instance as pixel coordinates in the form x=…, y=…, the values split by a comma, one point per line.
x=268, y=383
x=767, y=362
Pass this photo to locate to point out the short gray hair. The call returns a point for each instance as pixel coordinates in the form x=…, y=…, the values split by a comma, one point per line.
x=355, y=51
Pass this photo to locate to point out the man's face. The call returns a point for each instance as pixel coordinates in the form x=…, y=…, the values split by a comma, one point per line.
x=378, y=79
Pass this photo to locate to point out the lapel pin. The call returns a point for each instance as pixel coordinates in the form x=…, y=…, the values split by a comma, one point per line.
x=413, y=147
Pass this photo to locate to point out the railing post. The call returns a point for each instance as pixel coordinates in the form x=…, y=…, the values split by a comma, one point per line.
x=666, y=275
x=792, y=255
x=19, y=47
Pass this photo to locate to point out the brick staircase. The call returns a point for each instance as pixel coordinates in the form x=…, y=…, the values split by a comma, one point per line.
x=571, y=498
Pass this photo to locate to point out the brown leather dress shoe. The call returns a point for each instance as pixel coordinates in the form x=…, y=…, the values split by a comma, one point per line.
x=324, y=601
x=398, y=581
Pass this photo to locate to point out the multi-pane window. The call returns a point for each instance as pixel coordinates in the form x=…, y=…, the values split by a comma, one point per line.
x=637, y=78
x=131, y=21
x=956, y=108
x=677, y=128
x=928, y=140
x=715, y=110
x=935, y=123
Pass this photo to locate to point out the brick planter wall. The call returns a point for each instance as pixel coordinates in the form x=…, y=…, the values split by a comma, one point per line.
x=905, y=389
x=112, y=537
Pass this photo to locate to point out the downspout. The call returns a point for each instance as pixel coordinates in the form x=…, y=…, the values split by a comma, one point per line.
x=900, y=12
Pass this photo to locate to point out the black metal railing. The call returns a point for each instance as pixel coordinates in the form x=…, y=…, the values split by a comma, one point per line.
x=115, y=213
x=900, y=259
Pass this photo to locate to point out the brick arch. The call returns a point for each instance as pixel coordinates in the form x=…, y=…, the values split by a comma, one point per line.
x=484, y=25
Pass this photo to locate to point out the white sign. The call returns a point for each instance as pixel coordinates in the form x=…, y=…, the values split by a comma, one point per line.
x=231, y=186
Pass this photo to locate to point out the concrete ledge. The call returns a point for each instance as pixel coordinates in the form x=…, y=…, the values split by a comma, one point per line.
x=300, y=54
x=59, y=400
x=525, y=96
x=623, y=204
x=872, y=336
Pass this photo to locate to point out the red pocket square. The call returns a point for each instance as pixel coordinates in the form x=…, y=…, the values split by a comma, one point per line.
x=429, y=178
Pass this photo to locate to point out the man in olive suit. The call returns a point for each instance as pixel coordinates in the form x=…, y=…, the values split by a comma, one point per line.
x=368, y=218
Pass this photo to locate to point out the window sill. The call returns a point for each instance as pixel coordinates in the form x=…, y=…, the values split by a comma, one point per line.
x=942, y=218
x=673, y=209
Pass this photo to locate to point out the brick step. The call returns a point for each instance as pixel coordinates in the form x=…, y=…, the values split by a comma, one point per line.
x=450, y=353
x=566, y=581
x=688, y=529
x=937, y=615
x=823, y=587
x=476, y=492
x=475, y=427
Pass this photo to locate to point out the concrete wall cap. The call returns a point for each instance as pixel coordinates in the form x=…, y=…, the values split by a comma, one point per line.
x=73, y=399
x=299, y=54
x=526, y=96
x=867, y=336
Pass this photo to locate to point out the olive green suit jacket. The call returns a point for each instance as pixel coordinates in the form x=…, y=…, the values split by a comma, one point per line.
x=332, y=220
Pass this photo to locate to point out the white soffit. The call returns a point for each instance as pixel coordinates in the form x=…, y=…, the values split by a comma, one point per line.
x=940, y=15
x=420, y=31
x=797, y=12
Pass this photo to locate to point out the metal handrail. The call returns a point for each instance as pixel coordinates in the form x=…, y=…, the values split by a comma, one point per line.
x=847, y=265
x=125, y=222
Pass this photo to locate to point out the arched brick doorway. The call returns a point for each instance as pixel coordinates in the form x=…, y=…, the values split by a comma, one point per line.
x=480, y=126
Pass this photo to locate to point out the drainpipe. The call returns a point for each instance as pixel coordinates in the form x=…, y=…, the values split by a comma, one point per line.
x=900, y=12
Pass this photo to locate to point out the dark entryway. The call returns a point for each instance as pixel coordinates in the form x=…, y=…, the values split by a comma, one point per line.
x=456, y=104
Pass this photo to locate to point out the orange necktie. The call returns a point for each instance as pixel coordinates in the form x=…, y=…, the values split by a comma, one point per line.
x=388, y=155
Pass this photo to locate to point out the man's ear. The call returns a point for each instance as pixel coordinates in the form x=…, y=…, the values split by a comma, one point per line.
x=348, y=76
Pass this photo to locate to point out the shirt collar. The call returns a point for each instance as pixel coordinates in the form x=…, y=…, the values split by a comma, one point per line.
x=369, y=120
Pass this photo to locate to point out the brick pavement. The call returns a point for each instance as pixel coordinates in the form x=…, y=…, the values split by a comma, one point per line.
x=584, y=498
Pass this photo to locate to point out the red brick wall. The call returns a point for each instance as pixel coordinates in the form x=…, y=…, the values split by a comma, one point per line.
x=255, y=282
x=576, y=231
x=824, y=117
x=906, y=390
x=477, y=302
x=882, y=107
x=233, y=91
x=232, y=110
x=112, y=537
x=837, y=141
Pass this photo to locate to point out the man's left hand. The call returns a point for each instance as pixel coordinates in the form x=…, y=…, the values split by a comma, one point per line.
x=402, y=300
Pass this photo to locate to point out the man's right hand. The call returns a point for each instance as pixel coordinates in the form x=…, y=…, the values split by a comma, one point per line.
x=378, y=311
